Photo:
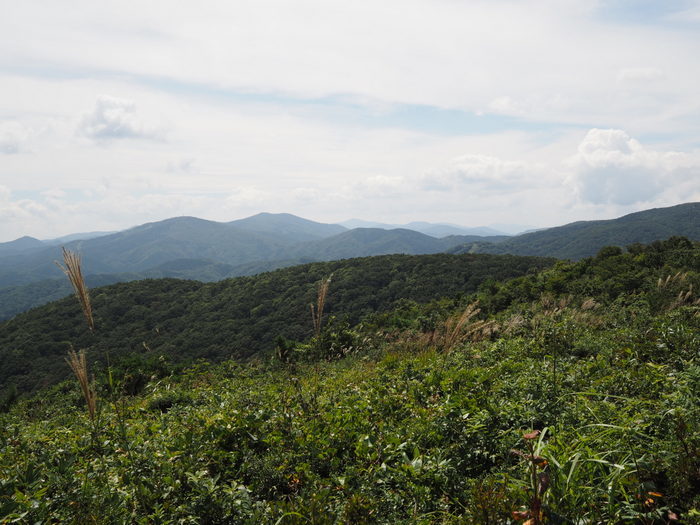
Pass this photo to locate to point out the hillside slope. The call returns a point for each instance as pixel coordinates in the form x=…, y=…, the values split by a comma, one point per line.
x=240, y=317
x=583, y=239
x=573, y=395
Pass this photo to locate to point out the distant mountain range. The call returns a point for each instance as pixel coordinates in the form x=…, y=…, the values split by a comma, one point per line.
x=428, y=228
x=584, y=238
x=192, y=248
x=195, y=248
x=75, y=237
x=23, y=244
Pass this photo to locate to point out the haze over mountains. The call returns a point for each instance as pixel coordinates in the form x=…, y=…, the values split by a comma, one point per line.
x=192, y=248
x=428, y=228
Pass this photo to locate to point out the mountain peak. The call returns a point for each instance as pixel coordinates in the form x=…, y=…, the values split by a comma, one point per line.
x=287, y=224
x=25, y=239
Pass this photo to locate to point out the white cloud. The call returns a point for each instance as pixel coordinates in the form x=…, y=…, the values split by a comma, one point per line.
x=183, y=166
x=506, y=105
x=115, y=118
x=12, y=137
x=482, y=172
x=307, y=195
x=634, y=75
x=613, y=168
x=25, y=211
x=247, y=197
x=374, y=187
x=302, y=127
x=442, y=53
x=53, y=193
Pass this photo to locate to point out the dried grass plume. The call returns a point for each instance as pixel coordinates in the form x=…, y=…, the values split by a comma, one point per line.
x=74, y=272
x=317, y=313
x=78, y=363
x=465, y=328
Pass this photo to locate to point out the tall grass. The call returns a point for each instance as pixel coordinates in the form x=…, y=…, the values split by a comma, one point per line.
x=317, y=312
x=463, y=327
x=78, y=364
x=77, y=360
x=74, y=272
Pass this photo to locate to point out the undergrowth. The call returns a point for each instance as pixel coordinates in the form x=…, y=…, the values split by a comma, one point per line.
x=577, y=405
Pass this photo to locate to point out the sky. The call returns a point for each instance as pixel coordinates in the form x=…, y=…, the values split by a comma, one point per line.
x=531, y=112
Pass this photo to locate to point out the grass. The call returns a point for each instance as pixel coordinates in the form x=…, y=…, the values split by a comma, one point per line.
x=317, y=312
x=78, y=364
x=77, y=360
x=464, y=327
x=72, y=269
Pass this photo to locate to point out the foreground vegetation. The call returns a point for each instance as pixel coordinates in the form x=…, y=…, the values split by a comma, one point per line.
x=137, y=322
x=567, y=396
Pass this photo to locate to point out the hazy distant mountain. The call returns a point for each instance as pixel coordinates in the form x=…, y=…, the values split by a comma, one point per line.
x=433, y=229
x=188, y=247
x=513, y=229
x=361, y=242
x=20, y=245
x=360, y=223
x=75, y=237
x=584, y=238
x=442, y=230
x=26, y=243
x=292, y=227
x=154, y=244
x=149, y=246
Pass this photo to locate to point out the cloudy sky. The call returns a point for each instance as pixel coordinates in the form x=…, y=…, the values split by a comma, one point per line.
x=533, y=112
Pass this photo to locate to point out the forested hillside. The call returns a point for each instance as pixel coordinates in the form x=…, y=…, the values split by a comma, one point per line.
x=570, y=395
x=17, y=299
x=585, y=238
x=186, y=320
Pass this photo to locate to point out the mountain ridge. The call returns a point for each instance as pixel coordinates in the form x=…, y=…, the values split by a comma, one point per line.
x=433, y=229
x=192, y=248
x=581, y=239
